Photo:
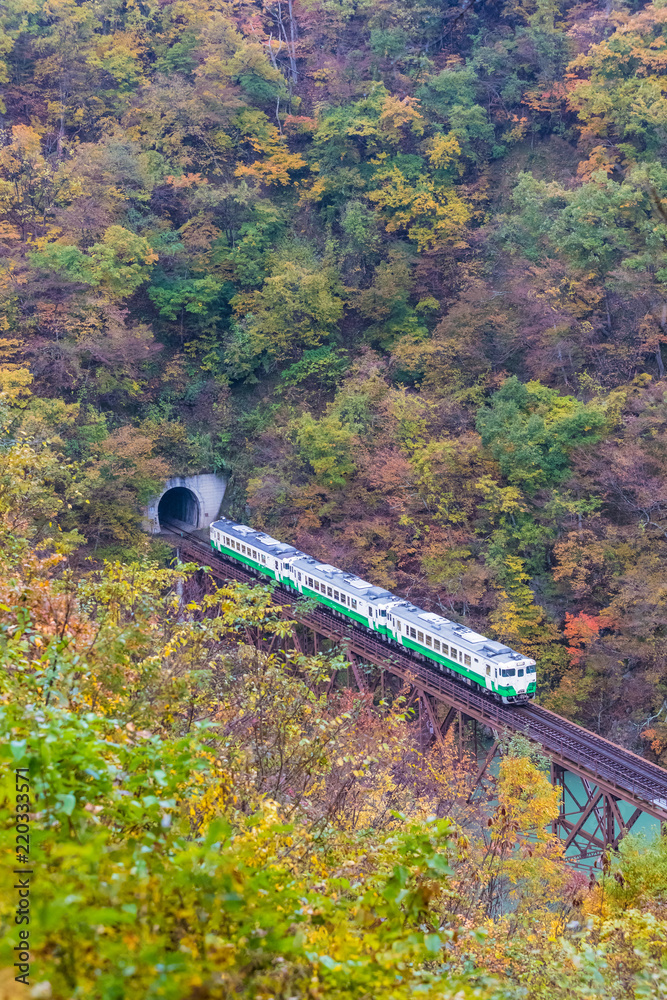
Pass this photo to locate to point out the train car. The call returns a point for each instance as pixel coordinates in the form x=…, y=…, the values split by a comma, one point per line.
x=343, y=592
x=254, y=549
x=456, y=649
x=446, y=646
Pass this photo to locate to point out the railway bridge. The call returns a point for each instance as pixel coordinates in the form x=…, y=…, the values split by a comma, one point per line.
x=605, y=789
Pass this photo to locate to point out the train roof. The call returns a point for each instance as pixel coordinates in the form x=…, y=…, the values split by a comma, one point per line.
x=260, y=540
x=454, y=632
x=348, y=582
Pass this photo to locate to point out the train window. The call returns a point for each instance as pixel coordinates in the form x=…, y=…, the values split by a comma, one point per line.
x=329, y=592
x=488, y=670
x=310, y=581
x=436, y=645
x=398, y=626
x=520, y=673
x=370, y=612
x=264, y=560
x=420, y=636
x=467, y=660
x=384, y=614
x=454, y=653
x=429, y=641
x=336, y=596
x=445, y=649
x=511, y=672
x=243, y=549
x=413, y=633
x=354, y=603
x=531, y=670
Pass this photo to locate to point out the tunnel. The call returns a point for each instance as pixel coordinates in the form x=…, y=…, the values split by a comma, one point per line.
x=179, y=504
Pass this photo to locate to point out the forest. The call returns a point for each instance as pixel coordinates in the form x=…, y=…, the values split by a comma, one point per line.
x=397, y=269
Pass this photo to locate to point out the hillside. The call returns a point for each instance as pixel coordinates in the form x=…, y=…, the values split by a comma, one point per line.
x=398, y=269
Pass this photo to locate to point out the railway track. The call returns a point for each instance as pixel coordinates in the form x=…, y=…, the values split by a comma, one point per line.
x=616, y=771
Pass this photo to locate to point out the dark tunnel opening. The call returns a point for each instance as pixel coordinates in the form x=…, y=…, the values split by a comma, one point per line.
x=179, y=504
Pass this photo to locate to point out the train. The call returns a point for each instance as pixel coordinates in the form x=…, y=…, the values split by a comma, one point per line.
x=445, y=646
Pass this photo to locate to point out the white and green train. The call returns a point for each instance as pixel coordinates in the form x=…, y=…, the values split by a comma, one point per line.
x=446, y=646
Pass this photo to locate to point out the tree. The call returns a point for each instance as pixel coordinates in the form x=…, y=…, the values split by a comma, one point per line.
x=531, y=430
x=327, y=445
x=298, y=306
x=428, y=210
x=118, y=265
x=30, y=186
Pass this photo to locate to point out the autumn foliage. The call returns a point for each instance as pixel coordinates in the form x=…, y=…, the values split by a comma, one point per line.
x=396, y=269
x=216, y=814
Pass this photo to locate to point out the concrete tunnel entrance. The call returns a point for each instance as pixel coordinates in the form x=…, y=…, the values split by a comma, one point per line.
x=193, y=500
x=179, y=504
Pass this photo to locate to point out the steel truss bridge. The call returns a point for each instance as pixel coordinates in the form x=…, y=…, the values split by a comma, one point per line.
x=605, y=789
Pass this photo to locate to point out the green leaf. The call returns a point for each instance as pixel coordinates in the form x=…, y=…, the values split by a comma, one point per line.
x=433, y=943
x=17, y=748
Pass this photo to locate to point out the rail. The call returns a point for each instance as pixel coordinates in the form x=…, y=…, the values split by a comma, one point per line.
x=617, y=771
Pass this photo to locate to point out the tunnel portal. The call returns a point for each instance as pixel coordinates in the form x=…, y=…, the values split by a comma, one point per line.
x=193, y=500
x=179, y=504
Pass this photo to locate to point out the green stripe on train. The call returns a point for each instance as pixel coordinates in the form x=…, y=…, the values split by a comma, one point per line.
x=223, y=550
x=337, y=607
x=452, y=664
x=478, y=679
